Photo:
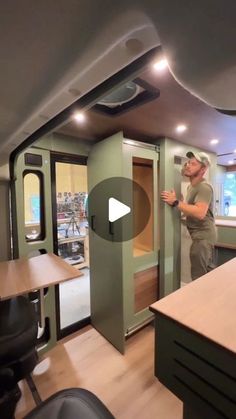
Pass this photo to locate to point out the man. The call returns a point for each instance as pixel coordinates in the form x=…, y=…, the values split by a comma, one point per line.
x=198, y=210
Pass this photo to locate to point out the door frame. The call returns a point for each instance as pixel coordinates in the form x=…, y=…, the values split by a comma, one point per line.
x=70, y=159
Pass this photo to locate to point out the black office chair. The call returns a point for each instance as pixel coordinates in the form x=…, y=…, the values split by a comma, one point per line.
x=18, y=356
x=72, y=403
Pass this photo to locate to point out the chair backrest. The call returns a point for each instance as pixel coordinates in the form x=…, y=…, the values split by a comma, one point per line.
x=18, y=354
x=70, y=404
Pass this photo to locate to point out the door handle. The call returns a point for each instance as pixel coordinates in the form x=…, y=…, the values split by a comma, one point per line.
x=111, y=228
x=93, y=222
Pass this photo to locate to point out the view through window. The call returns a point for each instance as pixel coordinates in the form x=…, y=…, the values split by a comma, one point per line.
x=230, y=194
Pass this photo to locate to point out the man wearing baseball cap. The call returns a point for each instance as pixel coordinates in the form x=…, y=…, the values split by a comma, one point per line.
x=198, y=209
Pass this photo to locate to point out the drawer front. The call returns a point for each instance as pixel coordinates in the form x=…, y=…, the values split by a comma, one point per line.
x=199, y=372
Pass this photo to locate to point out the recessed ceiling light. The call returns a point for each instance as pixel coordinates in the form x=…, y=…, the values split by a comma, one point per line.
x=181, y=128
x=79, y=117
x=234, y=151
x=214, y=141
x=160, y=65
x=230, y=162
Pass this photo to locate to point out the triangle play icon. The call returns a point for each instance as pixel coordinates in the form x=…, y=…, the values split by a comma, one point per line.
x=117, y=209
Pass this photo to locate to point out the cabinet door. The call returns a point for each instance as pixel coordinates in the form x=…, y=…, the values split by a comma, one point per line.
x=105, y=161
x=119, y=294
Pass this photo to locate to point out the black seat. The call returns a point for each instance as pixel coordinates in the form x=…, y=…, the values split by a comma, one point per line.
x=73, y=403
x=18, y=356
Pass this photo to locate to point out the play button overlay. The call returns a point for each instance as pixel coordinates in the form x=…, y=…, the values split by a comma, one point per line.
x=118, y=209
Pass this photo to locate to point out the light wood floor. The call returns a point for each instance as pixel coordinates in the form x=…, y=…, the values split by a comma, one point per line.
x=125, y=383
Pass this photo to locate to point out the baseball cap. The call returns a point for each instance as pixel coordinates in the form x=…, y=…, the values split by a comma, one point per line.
x=201, y=157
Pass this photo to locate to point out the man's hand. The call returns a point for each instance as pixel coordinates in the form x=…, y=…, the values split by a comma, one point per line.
x=169, y=197
x=197, y=210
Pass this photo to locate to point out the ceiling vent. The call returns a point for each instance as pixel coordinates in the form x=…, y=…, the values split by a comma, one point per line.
x=126, y=97
x=123, y=94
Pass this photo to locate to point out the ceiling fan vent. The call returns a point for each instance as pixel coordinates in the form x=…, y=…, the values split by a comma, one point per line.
x=126, y=97
x=121, y=95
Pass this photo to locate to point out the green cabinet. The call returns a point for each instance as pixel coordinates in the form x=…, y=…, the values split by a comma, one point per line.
x=124, y=274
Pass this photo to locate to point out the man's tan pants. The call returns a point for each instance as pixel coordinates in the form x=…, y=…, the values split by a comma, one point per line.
x=201, y=257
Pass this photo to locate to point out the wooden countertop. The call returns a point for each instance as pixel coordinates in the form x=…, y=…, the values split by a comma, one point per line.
x=206, y=305
x=226, y=245
x=21, y=276
x=219, y=222
x=225, y=223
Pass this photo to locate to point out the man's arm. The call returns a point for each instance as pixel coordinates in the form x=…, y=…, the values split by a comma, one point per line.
x=197, y=210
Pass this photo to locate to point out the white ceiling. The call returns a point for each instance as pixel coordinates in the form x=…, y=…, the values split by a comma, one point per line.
x=160, y=117
x=52, y=52
x=55, y=51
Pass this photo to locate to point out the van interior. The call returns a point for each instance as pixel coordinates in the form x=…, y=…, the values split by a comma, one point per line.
x=97, y=95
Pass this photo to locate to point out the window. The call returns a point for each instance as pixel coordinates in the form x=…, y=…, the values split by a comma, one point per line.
x=33, y=207
x=229, y=194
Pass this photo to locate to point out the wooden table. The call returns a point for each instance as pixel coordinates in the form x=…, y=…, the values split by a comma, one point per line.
x=23, y=275
x=195, y=348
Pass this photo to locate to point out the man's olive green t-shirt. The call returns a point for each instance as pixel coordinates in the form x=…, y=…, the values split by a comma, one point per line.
x=201, y=229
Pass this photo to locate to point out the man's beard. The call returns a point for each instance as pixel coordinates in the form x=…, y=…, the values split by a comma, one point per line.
x=197, y=173
x=193, y=175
